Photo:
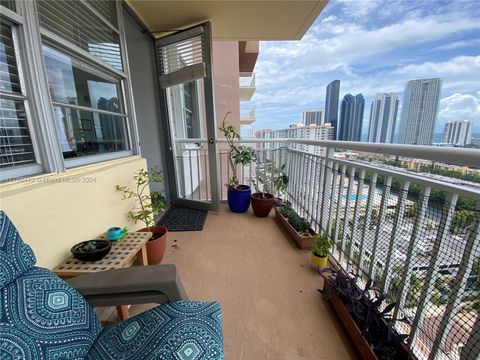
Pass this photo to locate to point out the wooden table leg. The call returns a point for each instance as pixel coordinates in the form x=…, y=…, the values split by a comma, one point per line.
x=122, y=312
x=142, y=256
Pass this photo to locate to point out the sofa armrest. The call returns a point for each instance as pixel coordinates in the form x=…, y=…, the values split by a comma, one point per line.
x=133, y=285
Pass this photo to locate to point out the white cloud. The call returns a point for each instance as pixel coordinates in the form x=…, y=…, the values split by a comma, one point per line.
x=457, y=45
x=460, y=107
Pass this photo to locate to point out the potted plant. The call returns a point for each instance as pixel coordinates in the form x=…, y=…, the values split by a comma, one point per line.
x=369, y=325
x=271, y=178
x=320, y=250
x=238, y=195
x=297, y=227
x=146, y=207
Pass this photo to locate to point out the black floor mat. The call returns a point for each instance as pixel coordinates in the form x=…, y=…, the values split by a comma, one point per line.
x=179, y=218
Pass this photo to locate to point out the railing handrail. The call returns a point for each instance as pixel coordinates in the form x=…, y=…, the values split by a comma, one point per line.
x=457, y=156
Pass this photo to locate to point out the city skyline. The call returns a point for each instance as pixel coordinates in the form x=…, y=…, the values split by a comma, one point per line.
x=374, y=48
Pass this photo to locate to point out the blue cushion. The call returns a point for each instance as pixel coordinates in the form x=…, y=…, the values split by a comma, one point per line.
x=43, y=317
x=182, y=330
x=16, y=257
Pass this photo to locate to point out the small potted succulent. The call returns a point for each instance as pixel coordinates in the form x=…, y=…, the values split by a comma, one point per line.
x=320, y=249
x=238, y=195
x=271, y=178
x=145, y=209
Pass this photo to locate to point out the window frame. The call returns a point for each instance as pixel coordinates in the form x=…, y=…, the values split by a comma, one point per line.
x=16, y=22
x=38, y=103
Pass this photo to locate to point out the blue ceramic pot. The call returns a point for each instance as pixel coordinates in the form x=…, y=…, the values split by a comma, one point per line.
x=114, y=233
x=239, y=198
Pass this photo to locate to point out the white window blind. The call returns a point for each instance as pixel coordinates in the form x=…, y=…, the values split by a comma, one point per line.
x=16, y=146
x=76, y=23
x=181, y=57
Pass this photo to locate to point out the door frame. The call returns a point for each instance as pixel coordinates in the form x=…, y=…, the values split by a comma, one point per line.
x=209, y=103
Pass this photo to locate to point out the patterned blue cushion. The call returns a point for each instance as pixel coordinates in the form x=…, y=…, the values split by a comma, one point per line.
x=43, y=317
x=182, y=330
x=16, y=257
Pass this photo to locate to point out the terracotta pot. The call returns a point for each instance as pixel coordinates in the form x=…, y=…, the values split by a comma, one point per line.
x=303, y=242
x=157, y=244
x=262, y=205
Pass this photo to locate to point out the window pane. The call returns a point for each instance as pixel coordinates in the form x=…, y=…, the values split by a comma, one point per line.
x=15, y=143
x=106, y=8
x=74, y=22
x=10, y=4
x=74, y=82
x=9, y=80
x=84, y=133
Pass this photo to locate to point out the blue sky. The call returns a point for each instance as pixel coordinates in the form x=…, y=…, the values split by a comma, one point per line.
x=374, y=46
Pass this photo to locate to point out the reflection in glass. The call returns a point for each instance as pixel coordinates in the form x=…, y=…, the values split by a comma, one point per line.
x=74, y=82
x=15, y=143
x=83, y=133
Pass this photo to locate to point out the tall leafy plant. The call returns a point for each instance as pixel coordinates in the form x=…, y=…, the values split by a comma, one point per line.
x=238, y=154
x=321, y=245
x=147, y=204
x=273, y=179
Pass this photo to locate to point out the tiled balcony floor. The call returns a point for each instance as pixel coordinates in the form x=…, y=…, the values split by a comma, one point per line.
x=271, y=307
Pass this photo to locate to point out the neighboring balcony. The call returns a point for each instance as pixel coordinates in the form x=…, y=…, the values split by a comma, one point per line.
x=248, y=118
x=415, y=236
x=247, y=87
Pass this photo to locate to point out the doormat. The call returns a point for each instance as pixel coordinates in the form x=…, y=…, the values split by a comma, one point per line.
x=179, y=218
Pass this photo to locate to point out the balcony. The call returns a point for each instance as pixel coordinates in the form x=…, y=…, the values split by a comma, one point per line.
x=408, y=232
x=247, y=87
x=248, y=118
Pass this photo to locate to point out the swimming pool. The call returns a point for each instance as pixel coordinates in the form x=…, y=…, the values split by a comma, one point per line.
x=354, y=197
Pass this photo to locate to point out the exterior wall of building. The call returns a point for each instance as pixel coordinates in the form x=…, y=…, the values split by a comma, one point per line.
x=458, y=133
x=351, y=118
x=146, y=96
x=312, y=132
x=226, y=81
x=331, y=105
x=383, y=117
x=421, y=100
x=312, y=117
x=55, y=211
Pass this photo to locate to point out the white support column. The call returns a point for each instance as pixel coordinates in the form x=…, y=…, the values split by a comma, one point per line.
x=346, y=214
x=356, y=211
x=326, y=195
x=367, y=220
x=337, y=211
x=333, y=200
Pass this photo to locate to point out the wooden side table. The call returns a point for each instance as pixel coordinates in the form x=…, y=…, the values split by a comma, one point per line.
x=122, y=254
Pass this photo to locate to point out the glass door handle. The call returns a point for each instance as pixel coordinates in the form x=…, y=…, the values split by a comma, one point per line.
x=210, y=141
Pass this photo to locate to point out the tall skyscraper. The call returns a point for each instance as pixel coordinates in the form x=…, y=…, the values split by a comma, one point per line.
x=331, y=106
x=421, y=100
x=351, y=118
x=383, y=117
x=312, y=117
x=458, y=133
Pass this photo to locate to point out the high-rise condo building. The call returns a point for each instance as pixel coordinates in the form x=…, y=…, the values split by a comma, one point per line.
x=312, y=117
x=351, y=118
x=331, y=105
x=383, y=117
x=311, y=132
x=458, y=133
x=421, y=100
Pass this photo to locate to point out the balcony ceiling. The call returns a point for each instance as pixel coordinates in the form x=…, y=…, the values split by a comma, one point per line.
x=231, y=20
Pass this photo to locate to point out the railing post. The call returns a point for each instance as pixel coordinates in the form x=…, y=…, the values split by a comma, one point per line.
x=333, y=200
x=353, y=232
x=408, y=265
x=443, y=229
x=396, y=228
x=346, y=215
x=455, y=298
x=382, y=212
x=327, y=179
x=367, y=219
x=337, y=212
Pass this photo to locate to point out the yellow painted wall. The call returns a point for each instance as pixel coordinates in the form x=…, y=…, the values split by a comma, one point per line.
x=53, y=212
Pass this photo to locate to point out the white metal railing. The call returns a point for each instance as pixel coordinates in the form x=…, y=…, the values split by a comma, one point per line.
x=408, y=232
